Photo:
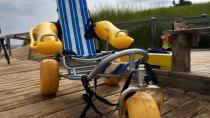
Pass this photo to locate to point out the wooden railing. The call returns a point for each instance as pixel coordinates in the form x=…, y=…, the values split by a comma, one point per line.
x=18, y=36
x=181, y=50
x=193, y=22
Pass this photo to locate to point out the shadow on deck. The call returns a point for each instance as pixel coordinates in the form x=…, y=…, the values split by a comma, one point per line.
x=19, y=97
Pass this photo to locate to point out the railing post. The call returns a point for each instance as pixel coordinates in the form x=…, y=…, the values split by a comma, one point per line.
x=153, y=26
x=5, y=50
x=8, y=46
x=29, y=53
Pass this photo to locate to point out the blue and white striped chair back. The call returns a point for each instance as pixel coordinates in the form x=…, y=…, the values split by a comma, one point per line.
x=74, y=16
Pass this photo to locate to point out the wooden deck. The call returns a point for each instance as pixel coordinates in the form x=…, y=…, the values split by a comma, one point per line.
x=20, y=98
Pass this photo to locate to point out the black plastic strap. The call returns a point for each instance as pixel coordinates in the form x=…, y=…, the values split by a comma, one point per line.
x=150, y=75
x=84, y=112
x=67, y=53
x=89, y=101
x=105, y=101
x=126, y=85
x=88, y=97
x=86, y=84
x=89, y=28
x=90, y=32
x=100, y=44
x=128, y=81
x=57, y=57
x=95, y=83
x=91, y=20
x=102, y=99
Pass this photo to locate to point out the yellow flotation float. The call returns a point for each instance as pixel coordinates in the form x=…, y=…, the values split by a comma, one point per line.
x=44, y=39
x=116, y=37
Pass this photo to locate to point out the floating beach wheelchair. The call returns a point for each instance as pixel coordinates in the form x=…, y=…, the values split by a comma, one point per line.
x=78, y=46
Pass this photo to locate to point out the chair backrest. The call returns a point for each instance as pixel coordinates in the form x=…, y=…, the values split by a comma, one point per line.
x=74, y=16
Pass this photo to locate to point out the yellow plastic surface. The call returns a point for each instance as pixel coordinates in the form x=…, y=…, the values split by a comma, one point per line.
x=117, y=38
x=142, y=105
x=44, y=39
x=112, y=81
x=164, y=61
x=49, y=77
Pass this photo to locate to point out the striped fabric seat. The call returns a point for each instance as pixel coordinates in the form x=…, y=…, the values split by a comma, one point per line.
x=74, y=18
x=116, y=68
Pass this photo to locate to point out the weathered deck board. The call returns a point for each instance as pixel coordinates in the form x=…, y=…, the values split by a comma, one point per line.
x=174, y=102
x=18, y=66
x=19, y=97
x=203, y=113
x=188, y=109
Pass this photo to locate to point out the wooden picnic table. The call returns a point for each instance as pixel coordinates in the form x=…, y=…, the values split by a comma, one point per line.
x=181, y=44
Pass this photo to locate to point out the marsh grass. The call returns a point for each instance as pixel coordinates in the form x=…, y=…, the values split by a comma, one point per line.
x=129, y=13
x=141, y=34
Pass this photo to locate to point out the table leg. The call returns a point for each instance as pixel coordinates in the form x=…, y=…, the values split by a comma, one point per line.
x=181, y=44
x=5, y=51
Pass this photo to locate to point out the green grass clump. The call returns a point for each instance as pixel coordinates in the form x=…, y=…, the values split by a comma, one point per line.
x=170, y=12
x=142, y=37
x=141, y=33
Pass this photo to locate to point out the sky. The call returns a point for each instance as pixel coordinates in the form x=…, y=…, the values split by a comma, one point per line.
x=17, y=16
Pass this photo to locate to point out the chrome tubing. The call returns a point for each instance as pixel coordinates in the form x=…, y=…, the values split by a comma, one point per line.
x=130, y=52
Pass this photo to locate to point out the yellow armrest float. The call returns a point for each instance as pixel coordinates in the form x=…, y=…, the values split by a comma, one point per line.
x=44, y=39
x=117, y=38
